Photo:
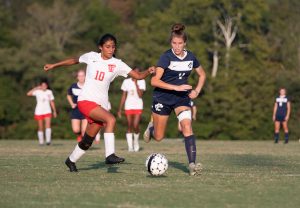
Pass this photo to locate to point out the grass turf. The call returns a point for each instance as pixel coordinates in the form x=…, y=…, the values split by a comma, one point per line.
x=236, y=174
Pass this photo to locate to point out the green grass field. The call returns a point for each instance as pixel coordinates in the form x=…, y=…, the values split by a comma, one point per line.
x=236, y=174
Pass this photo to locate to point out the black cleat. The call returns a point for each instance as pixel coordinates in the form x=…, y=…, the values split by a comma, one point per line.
x=113, y=159
x=71, y=165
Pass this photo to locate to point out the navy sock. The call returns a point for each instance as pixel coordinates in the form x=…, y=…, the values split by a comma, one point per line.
x=190, y=147
x=276, y=137
x=286, y=137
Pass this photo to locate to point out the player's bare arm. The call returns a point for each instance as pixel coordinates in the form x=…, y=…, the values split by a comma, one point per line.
x=201, y=80
x=157, y=82
x=141, y=75
x=66, y=62
x=274, y=111
x=124, y=95
x=287, y=117
x=30, y=92
x=139, y=91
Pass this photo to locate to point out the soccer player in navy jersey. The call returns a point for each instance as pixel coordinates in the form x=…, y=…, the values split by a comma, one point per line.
x=78, y=120
x=281, y=115
x=173, y=93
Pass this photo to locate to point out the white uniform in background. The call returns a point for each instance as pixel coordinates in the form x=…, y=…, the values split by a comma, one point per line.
x=43, y=110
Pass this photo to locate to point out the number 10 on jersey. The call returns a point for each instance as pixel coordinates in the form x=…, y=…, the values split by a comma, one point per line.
x=99, y=75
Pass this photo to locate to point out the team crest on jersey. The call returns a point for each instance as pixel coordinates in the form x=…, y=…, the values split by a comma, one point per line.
x=190, y=65
x=111, y=67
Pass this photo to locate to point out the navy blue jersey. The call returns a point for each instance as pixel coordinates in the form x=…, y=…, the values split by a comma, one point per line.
x=74, y=91
x=281, y=105
x=176, y=72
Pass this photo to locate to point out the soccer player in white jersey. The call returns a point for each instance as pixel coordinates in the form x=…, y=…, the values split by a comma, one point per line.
x=132, y=97
x=78, y=120
x=281, y=115
x=43, y=113
x=102, y=69
x=173, y=93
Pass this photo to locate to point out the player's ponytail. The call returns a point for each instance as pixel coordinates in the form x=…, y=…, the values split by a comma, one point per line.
x=177, y=30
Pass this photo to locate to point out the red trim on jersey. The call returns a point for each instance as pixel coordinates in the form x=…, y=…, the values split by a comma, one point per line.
x=133, y=112
x=41, y=117
x=85, y=107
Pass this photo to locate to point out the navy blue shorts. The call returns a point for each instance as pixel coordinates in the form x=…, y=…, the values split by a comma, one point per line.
x=76, y=114
x=166, y=109
x=280, y=118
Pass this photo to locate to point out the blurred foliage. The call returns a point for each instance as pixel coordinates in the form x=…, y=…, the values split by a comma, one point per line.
x=236, y=104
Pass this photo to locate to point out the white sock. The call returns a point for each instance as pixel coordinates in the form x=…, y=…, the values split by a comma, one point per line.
x=76, y=154
x=48, y=135
x=98, y=136
x=40, y=137
x=109, y=140
x=136, y=141
x=129, y=141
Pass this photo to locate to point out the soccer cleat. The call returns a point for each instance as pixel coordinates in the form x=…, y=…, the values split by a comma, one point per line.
x=147, y=135
x=195, y=169
x=71, y=165
x=113, y=159
x=48, y=143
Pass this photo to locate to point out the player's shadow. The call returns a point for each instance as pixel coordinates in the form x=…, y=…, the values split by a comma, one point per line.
x=102, y=165
x=179, y=166
x=98, y=165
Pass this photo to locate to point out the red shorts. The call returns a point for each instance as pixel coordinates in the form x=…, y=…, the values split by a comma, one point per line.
x=41, y=117
x=85, y=107
x=133, y=112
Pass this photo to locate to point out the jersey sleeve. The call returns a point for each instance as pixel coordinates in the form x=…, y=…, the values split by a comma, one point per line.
x=123, y=69
x=70, y=90
x=85, y=58
x=123, y=86
x=35, y=92
x=196, y=63
x=142, y=84
x=51, y=96
x=163, y=61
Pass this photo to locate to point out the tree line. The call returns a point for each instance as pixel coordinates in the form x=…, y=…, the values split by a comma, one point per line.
x=248, y=48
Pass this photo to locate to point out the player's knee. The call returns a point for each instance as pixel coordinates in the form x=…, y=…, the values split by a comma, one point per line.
x=86, y=142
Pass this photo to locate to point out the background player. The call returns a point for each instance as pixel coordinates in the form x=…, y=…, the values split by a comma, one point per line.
x=43, y=113
x=281, y=115
x=133, y=90
x=102, y=69
x=173, y=93
x=78, y=120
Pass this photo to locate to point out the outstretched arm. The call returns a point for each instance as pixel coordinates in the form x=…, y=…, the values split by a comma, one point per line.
x=141, y=75
x=66, y=62
x=157, y=82
x=202, y=77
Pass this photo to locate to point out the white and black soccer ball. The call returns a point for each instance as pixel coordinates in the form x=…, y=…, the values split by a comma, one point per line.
x=156, y=164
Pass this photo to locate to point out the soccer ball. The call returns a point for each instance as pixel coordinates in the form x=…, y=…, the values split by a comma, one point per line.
x=156, y=164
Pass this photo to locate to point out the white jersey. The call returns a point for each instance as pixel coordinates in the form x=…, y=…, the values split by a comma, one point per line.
x=43, y=99
x=133, y=101
x=99, y=74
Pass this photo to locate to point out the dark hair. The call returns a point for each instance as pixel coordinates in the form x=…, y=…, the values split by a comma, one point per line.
x=45, y=80
x=106, y=37
x=177, y=30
